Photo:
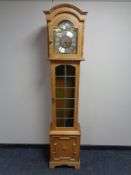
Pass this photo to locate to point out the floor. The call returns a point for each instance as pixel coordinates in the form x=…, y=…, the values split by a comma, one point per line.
x=34, y=161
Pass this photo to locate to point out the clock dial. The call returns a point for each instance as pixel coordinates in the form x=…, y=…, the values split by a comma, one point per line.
x=65, y=37
x=65, y=41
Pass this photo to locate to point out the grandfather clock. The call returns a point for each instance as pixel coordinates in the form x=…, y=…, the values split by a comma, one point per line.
x=65, y=50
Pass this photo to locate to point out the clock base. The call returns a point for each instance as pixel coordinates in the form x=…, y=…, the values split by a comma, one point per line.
x=75, y=164
x=65, y=148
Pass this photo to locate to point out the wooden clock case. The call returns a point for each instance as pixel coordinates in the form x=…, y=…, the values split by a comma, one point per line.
x=65, y=72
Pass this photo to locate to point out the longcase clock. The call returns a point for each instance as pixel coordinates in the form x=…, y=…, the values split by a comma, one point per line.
x=65, y=51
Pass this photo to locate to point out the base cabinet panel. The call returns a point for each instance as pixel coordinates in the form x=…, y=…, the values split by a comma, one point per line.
x=64, y=150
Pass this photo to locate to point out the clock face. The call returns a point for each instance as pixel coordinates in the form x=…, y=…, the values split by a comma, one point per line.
x=65, y=41
x=65, y=38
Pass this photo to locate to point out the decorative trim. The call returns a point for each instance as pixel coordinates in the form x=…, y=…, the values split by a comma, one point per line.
x=65, y=5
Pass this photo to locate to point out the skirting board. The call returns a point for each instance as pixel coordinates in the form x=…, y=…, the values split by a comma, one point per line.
x=82, y=147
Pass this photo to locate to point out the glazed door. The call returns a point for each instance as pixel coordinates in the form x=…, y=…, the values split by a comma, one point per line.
x=65, y=95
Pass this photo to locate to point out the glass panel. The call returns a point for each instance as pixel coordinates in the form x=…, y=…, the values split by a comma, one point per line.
x=69, y=103
x=59, y=103
x=65, y=95
x=60, y=122
x=70, y=92
x=69, y=113
x=69, y=122
x=60, y=92
x=64, y=103
x=59, y=113
x=65, y=37
x=60, y=81
x=70, y=70
x=60, y=70
x=65, y=24
x=70, y=81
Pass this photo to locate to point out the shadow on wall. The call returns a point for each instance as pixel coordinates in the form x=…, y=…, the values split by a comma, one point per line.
x=39, y=45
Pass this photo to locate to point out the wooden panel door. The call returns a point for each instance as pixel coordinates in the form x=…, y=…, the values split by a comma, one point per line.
x=65, y=148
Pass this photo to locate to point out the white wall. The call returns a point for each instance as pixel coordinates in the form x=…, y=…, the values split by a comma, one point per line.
x=105, y=95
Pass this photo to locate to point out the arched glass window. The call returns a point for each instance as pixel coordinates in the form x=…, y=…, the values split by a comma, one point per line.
x=65, y=95
x=65, y=37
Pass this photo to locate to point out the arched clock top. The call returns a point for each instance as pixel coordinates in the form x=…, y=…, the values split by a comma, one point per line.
x=65, y=24
x=63, y=9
